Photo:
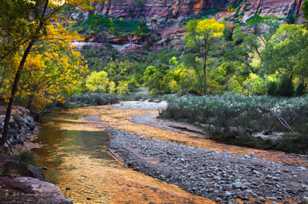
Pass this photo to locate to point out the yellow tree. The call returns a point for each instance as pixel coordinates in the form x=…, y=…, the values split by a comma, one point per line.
x=200, y=34
x=36, y=16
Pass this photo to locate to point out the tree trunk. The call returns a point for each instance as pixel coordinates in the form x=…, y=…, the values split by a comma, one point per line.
x=205, y=77
x=22, y=63
x=30, y=101
x=13, y=93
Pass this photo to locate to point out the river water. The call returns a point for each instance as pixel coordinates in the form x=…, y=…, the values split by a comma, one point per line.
x=75, y=156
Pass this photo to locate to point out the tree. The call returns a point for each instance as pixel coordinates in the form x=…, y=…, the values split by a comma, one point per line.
x=286, y=53
x=200, y=35
x=34, y=17
x=180, y=78
x=98, y=82
x=305, y=8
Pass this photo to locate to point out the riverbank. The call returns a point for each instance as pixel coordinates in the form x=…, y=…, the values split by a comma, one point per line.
x=22, y=129
x=20, y=180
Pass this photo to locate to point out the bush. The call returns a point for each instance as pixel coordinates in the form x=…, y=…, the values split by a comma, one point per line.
x=91, y=99
x=236, y=118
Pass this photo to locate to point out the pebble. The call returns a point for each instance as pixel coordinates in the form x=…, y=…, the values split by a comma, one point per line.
x=215, y=175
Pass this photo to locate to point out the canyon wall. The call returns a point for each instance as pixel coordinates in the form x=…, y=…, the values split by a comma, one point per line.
x=162, y=10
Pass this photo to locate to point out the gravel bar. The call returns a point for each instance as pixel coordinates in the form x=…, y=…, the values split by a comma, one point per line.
x=216, y=175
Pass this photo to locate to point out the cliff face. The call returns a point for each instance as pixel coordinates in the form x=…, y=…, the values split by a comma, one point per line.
x=162, y=10
x=278, y=8
x=158, y=10
x=166, y=16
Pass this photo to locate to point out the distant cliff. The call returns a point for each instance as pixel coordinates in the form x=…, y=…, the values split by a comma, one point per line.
x=163, y=10
x=166, y=17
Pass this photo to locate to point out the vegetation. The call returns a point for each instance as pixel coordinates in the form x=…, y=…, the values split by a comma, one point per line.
x=201, y=35
x=305, y=8
x=259, y=57
x=243, y=120
x=97, y=23
x=33, y=19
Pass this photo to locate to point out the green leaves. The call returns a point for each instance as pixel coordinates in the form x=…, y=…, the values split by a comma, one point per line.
x=305, y=8
x=286, y=50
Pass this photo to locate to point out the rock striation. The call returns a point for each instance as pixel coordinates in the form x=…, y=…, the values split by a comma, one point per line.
x=160, y=11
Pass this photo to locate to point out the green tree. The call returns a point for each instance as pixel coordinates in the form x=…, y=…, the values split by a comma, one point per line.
x=200, y=35
x=98, y=82
x=286, y=53
x=180, y=78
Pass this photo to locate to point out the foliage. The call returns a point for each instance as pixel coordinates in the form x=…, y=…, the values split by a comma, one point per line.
x=86, y=99
x=96, y=23
x=285, y=54
x=254, y=85
x=115, y=77
x=237, y=118
x=98, y=82
x=305, y=8
x=200, y=36
x=52, y=72
x=181, y=79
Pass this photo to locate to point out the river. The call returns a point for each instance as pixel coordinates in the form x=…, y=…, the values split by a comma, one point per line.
x=75, y=156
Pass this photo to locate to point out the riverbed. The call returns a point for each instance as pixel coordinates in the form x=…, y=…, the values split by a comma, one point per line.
x=76, y=157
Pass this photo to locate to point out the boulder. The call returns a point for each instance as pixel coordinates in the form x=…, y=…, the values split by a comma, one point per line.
x=28, y=190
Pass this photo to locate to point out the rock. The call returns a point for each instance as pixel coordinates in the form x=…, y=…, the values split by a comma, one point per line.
x=16, y=168
x=158, y=12
x=30, y=190
x=237, y=184
x=305, y=200
x=215, y=175
x=21, y=126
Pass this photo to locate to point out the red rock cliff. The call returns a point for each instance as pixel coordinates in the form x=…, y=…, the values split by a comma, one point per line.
x=162, y=10
x=158, y=9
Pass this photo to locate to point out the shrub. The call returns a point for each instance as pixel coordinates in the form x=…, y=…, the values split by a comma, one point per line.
x=98, y=82
x=91, y=99
x=237, y=118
